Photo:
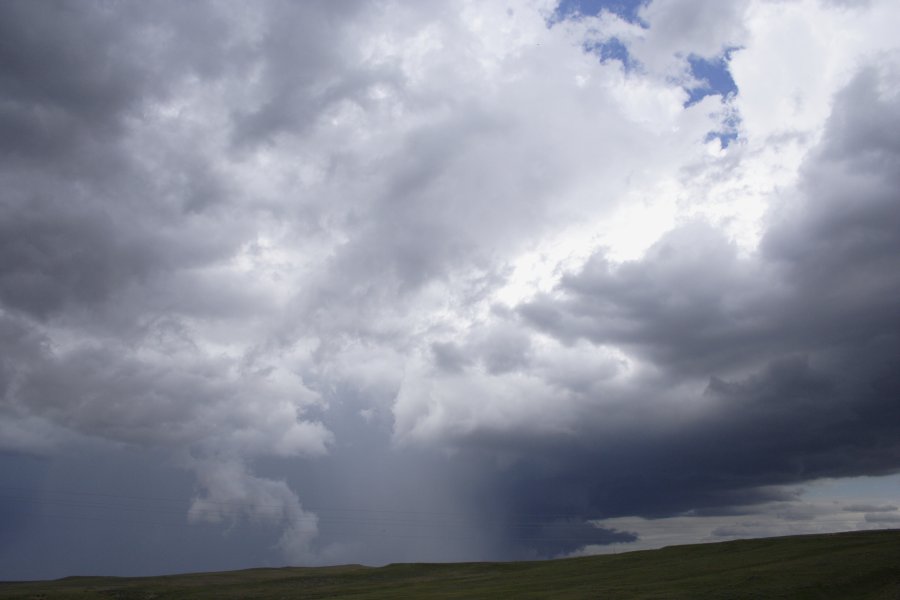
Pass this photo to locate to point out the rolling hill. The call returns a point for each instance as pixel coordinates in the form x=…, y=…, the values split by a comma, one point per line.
x=845, y=565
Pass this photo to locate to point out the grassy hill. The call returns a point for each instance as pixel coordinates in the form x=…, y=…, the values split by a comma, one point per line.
x=846, y=565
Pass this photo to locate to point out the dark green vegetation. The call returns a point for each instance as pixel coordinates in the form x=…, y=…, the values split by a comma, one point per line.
x=846, y=565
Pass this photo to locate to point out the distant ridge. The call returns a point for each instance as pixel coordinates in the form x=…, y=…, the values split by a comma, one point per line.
x=842, y=565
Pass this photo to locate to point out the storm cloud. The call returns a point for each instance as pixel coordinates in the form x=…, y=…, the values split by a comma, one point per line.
x=324, y=282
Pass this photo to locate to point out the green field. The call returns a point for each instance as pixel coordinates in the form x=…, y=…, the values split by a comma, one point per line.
x=846, y=565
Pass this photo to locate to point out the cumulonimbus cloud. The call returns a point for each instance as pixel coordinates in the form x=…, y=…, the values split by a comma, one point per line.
x=314, y=248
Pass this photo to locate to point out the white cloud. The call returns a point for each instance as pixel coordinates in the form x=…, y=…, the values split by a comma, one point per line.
x=230, y=492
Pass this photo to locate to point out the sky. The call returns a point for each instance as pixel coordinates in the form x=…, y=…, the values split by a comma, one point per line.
x=353, y=281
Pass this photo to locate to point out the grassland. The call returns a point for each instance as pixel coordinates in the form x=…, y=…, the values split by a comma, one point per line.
x=846, y=565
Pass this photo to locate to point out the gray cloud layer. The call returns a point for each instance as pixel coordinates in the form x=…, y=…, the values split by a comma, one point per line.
x=799, y=342
x=272, y=247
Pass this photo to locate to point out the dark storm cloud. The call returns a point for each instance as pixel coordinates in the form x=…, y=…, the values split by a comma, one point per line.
x=303, y=69
x=827, y=260
x=115, y=223
x=111, y=197
x=260, y=246
x=85, y=216
x=21, y=343
x=62, y=80
x=870, y=508
x=53, y=253
x=683, y=304
x=564, y=536
x=883, y=518
x=503, y=348
x=449, y=356
x=799, y=344
x=119, y=225
x=72, y=72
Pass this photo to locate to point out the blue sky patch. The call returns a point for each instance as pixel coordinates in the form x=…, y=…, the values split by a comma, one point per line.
x=715, y=76
x=724, y=137
x=612, y=49
x=627, y=9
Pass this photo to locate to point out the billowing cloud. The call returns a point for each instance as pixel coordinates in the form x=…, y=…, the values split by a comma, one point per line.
x=422, y=282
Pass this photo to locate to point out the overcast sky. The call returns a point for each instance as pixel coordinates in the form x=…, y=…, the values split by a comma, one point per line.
x=323, y=282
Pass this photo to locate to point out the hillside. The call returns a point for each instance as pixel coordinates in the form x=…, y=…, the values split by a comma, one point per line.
x=846, y=565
